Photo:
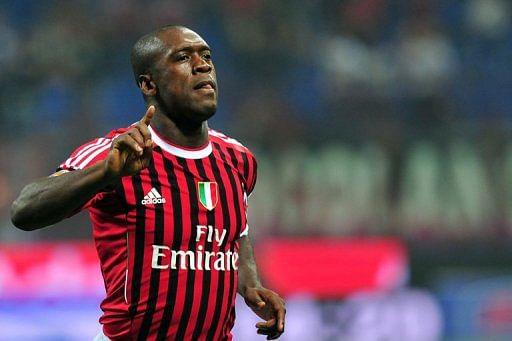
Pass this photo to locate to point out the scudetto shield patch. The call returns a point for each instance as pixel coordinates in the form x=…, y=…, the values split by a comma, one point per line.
x=208, y=194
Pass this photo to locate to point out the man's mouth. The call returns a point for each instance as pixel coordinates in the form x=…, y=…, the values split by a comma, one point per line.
x=206, y=85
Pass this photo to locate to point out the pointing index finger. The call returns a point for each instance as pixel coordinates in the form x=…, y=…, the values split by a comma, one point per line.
x=148, y=115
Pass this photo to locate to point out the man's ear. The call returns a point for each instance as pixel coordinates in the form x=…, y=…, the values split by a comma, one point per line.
x=147, y=86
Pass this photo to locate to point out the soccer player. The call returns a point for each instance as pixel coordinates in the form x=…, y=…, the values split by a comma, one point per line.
x=167, y=197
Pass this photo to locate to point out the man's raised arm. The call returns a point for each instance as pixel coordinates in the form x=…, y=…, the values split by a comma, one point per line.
x=49, y=200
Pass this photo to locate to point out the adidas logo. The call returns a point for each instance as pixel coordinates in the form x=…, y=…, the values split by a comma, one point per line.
x=153, y=197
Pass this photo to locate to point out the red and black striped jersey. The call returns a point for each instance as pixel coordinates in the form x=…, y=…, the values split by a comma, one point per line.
x=167, y=238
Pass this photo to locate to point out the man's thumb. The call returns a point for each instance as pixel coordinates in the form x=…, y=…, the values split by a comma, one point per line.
x=255, y=301
x=261, y=304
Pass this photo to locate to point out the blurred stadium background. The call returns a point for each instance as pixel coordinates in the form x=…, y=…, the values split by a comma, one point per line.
x=383, y=132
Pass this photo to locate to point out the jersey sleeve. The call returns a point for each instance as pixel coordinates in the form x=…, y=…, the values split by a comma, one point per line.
x=87, y=155
x=250, y=172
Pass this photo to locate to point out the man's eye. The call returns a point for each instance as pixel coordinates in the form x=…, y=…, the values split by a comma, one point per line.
x=207, y=56
x=183, y=57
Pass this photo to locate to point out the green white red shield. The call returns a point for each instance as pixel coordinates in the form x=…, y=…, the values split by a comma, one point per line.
x=208, y=194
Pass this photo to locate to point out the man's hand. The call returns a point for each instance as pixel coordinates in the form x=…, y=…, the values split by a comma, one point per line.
x=270, y=307
x=131, y=152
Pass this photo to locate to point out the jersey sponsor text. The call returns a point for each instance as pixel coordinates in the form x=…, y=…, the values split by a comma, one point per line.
x=164, y=257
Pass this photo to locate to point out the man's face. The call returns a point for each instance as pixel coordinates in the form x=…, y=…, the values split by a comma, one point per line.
x=185, y=76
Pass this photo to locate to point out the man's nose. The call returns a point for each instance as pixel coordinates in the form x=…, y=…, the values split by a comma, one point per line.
x=201, y=65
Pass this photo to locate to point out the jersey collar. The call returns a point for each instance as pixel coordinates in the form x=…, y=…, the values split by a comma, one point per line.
x=187, y=153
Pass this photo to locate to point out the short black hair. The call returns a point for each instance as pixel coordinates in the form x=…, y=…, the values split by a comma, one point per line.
x=146, y=49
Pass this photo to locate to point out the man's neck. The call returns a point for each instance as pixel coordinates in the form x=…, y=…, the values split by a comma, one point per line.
x=181, y=135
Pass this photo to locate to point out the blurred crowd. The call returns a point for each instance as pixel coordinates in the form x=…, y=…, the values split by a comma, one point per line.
x=310, y=74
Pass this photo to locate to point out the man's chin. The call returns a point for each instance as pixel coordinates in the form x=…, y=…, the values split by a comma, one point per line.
x=206, y=112
x=198, y=113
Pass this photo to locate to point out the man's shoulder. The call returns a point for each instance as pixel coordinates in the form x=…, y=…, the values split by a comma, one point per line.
x=109, y=135
x=227, y=141
x=91, y=151
x=115, y=132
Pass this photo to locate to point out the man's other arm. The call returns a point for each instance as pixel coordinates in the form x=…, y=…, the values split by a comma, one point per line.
x=265, y=303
